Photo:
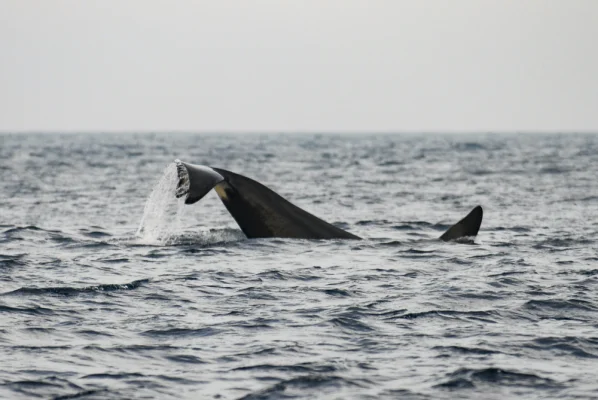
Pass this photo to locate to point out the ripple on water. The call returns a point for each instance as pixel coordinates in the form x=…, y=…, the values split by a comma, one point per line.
x=182, y=332
x=54, y=386
x=468, y=378
x=559, y=309
x=8, y=262
x=74, y=291
x=307, y=385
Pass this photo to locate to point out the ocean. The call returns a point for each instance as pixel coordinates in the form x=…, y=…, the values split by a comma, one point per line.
x=111, y=288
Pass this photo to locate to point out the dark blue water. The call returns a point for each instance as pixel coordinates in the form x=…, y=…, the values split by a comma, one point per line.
x=188, y=308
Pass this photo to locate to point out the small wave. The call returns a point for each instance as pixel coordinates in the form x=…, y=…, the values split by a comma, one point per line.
x=404, y=227
x=560, y=244
x=62, y=239
x=255, y=324
x=40, y=349
x=114, y=376
x=482, y=172
x=482, y=316
x=72, y=291
x=351, y=324
x=590, y=272
x=256, y=293
x=417, y=253
x=390, y=163
x=8, y=262
x=37, y=310
x=19, y=229
x=182, y=332
x=560, y=305
x=373, y=222
x=185, y=359
x=81, y=394
x=569, y=345
x=300, y=275
x=131, y=349
x=518, y=229
x=465, y=240
x=114, y=260
x=303, y=385
x=466, y=378
x=422, y=224
x=337, y=292
x=555, y=170
x=296, y=368
x=48, y=386
x=93, y=333
x=139, y=379
x=94, y=245
x=95, y=234
x=32, y=231
x=465, y=350
x=469, y=146
x=392, y=243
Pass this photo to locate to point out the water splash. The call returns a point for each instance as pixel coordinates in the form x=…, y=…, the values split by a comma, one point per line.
x=164, y=216
x=161, y=223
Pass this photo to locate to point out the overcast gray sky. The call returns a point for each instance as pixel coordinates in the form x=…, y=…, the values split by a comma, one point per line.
x=311, y=65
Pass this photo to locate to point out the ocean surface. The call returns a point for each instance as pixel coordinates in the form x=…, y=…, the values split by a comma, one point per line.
x=110, y=288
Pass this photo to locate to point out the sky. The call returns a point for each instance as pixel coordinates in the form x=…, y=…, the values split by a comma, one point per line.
x=293, y=66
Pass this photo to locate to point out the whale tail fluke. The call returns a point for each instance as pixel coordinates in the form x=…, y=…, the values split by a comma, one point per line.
x=467, y=227
x=195, y=181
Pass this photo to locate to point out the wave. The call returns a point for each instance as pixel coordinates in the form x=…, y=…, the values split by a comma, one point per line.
x=467, y=378
x=307, y=367
x=74, y=291
x=57, y=388
x=560, y=244
x=569, y=305
x=37, y=310
x=465, y=350
x=351, y=324
x=483, y=316
x=303, y=385
x=19, y=229
x=303, y=274
x=567, y=345
x=13, y=261
x=182, y=332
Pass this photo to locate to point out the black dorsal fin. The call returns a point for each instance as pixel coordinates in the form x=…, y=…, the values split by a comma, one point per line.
x=467, y=227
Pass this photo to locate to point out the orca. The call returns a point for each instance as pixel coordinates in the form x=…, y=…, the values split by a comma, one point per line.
x=262, y=213
x=468, y=227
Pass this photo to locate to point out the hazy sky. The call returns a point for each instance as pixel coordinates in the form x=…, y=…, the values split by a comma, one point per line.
x=321, y=65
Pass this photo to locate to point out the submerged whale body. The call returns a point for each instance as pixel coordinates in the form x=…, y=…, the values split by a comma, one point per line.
x=262, y=213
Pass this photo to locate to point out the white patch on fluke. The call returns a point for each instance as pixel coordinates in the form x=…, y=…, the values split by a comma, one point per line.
x=161, y=223
x=184, y=182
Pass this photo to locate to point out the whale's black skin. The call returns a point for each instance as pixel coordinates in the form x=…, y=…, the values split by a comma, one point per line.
x=262, y=213
x=259, y=211
x=467, y=227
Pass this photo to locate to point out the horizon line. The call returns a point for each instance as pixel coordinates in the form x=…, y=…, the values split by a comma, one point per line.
x=298, y=132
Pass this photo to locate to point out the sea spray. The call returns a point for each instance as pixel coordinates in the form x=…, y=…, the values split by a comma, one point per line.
x=161, y=221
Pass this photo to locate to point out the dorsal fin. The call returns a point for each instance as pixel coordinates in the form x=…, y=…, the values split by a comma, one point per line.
x=468, y=226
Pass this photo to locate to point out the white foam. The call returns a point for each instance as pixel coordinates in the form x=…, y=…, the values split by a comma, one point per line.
x=162, y=215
